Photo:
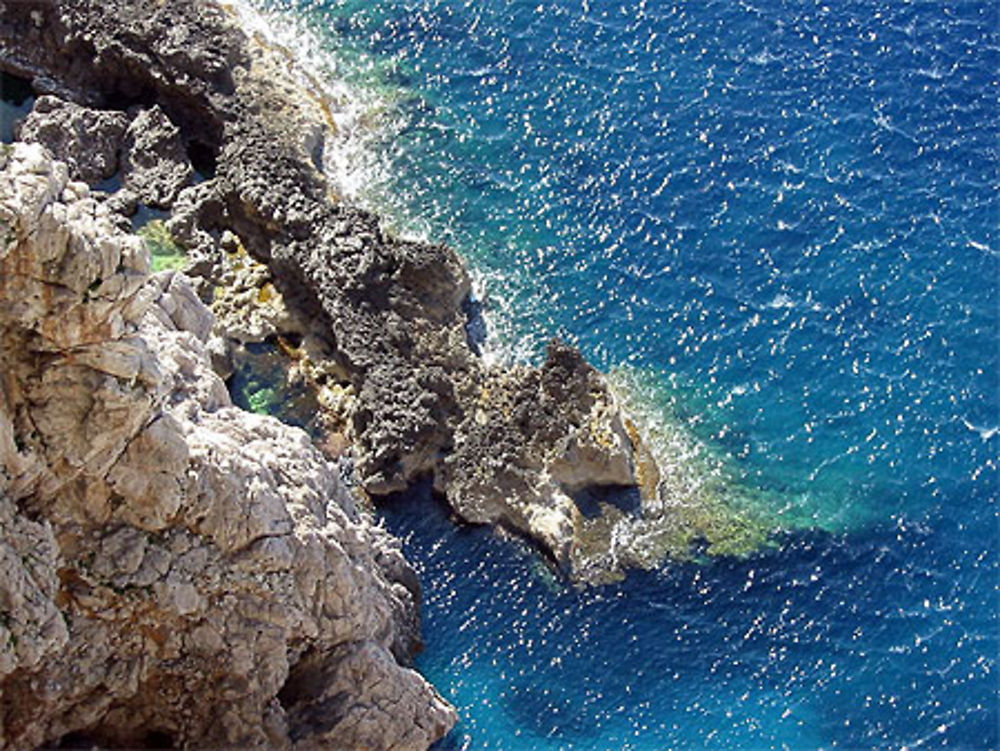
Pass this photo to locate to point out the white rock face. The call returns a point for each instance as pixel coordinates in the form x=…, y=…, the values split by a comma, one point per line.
x=171, y=567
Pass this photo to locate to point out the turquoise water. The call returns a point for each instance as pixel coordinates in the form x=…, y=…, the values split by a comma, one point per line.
x=782, y=219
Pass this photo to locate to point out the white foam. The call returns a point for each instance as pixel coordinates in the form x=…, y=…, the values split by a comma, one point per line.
x=985, y=432
x=355, y=168
x=356, y=159
x=781, y=301
x=983, y=248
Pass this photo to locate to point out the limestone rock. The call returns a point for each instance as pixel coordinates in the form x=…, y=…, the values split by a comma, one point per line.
x=246, y=303
x=334, y=718
x=172, y=565
x=32, y=629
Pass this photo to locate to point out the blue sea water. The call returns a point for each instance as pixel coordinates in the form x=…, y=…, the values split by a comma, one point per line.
x=782, y=219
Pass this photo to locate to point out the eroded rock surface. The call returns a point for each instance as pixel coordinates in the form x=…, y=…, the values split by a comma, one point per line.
x=155, y=166
x=533, y=438
x=374, y=324
x=174, y=569
x=87, y=140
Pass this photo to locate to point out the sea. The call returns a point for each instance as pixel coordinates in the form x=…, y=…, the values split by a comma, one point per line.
x=776, y=225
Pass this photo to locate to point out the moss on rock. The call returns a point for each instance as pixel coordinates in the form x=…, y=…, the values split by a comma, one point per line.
x=165, y=251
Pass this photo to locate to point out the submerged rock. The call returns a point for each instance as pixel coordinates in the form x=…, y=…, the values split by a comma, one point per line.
x=175, y=570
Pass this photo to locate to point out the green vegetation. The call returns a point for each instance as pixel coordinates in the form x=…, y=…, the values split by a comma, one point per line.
x=262, y=383
x=166, y=252
x=263, y=400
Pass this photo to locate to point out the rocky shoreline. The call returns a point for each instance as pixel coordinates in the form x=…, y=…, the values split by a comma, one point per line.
x=176, y=570
x=180, y=570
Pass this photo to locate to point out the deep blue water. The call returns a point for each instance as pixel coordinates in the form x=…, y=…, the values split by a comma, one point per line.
x=781, y=218
x=882, y=639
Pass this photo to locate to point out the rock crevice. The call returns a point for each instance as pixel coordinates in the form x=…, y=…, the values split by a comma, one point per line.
x=169, y=559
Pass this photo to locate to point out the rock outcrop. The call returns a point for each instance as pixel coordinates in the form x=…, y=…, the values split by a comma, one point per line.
x=174, y=570
x=87, y=140
x=374, y=326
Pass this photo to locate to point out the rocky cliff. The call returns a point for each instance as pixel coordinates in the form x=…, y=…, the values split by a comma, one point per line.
x=175, y=570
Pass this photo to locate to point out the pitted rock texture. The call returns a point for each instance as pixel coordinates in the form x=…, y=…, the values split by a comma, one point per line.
x=87, y=140
x=174, y=569
x=534, y=439
x=155, y=166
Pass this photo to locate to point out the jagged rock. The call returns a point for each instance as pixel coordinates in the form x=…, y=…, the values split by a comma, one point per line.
x=32, y=629
x=171, y=564
x=87, y=140
x=246, y=303
x=534, y=438
x=155, y=166
x=96, y=144
x=121, y=53
x=334, y=718
x=515, y=447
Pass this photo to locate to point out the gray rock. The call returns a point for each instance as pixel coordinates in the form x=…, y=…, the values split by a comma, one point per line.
x=171, y=564
x=86, y=139
x=155, y=166
x=32, y=628
x=531, y=440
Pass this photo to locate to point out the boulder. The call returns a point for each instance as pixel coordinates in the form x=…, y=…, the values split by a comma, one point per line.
x=155, y=166
x=86, y=139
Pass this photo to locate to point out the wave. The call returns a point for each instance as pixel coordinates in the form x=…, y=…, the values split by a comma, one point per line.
x=362, y=117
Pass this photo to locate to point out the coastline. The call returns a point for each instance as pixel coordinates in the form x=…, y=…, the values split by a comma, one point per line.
x=376, y=335
x=332, y=283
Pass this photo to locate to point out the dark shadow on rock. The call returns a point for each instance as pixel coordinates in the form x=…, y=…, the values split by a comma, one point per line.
x=204, y=158
x=16, y=100
x=420, y=491
x=626, y=498
x=14, y=89
x=475, y=323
